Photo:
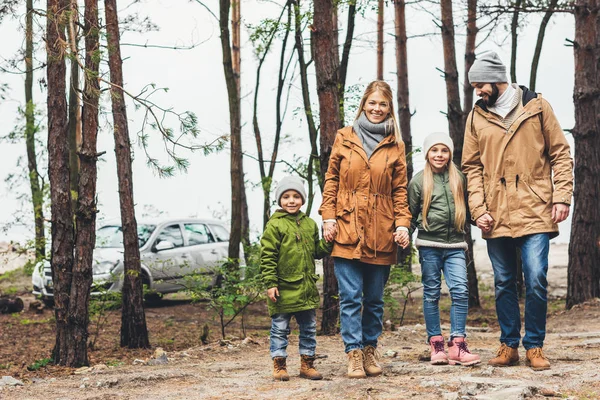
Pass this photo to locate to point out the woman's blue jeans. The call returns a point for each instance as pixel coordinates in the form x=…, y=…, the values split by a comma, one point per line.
x=280, y=329
x=534, y=255
x=361, y=301
x=452, y=262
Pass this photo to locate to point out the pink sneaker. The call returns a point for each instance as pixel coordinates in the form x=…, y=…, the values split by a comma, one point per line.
x=458, y=353
x=438, y=355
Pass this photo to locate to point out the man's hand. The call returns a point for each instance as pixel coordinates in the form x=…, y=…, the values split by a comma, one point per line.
x=273, y=294
x=401, y=238
x=329, y=231
x=485, y=223
x=560, y=212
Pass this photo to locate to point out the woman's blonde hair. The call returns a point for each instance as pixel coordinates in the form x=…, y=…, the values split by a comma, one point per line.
x=386, y=91
x=456, y=187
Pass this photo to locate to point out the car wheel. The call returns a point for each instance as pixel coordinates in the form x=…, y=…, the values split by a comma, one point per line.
x=48, y=302
x=151, y=298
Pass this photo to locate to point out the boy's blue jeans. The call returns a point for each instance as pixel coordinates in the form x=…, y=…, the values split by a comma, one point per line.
x=452, y=262
x=280, y=329
x=534, y=254
x=360, y=287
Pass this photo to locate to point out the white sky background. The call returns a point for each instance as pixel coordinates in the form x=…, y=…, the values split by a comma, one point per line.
x=196, y=82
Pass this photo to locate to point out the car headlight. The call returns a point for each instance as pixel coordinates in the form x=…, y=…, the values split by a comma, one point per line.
x=104, y=267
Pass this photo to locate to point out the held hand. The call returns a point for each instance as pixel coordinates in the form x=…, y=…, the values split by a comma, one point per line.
x=273, y=293
x=401, y=238
x=485, y=223
x=560, y=212
x=329, y=231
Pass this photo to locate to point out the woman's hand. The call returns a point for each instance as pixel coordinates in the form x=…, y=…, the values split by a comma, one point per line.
x=329, y=231
x=401, y=238
x=273, y=294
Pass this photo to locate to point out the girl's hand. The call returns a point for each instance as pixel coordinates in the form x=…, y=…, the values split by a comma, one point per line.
x=329, y=231
x=401, y=238
x=273, y=293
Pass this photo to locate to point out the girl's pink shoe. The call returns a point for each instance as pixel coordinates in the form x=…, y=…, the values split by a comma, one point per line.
x=458, y=353
x=438, y=355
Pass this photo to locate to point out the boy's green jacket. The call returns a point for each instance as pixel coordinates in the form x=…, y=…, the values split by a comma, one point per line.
x=289, y=246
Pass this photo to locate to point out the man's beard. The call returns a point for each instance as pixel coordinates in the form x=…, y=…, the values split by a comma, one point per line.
x=491, y=100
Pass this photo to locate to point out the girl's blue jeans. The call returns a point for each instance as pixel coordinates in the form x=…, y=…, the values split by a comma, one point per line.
x=280, y=329
x=452, y=263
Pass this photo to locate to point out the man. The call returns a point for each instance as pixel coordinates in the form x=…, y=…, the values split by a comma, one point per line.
x=520, y=182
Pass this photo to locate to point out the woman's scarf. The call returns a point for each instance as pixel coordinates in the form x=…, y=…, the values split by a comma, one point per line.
x=371, y=134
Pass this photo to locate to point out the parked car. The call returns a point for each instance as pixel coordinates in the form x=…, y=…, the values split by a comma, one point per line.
x=170, y=249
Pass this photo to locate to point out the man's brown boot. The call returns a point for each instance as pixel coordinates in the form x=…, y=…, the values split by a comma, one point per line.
x=536, y=359
x=280, y=370
x=371, y=361
x=355, y=364
x=505, y=357
x=307, y=368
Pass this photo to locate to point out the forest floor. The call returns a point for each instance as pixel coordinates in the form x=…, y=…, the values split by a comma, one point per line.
x=240, y=367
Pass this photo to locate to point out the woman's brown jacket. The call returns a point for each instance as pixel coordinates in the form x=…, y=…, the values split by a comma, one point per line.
x=367, y=197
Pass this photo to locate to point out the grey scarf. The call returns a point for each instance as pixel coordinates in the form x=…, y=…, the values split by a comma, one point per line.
x=371, y=134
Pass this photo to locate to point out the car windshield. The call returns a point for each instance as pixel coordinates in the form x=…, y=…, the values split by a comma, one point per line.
x=112, y=235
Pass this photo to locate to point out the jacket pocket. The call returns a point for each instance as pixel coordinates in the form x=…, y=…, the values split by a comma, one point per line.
x=541, y=191
x=346, y=219
x=290, y=290
x=379, y=235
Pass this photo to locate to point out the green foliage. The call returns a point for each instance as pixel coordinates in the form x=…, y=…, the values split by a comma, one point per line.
x=114, y=363
x=401, y=284
x=39, y=364
x=5, y=366
x=98, y=309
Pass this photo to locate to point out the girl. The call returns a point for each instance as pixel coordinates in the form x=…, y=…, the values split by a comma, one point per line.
x=437, y=203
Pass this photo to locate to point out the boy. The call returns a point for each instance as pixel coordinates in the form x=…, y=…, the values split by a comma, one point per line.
x=289, y=245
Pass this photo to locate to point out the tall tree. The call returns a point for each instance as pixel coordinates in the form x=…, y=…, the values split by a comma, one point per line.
x=514, y=37
x=380, y=20
x=584, y=246
x=134, y=333
x=327, y=71
x=74, y=101
x=346, y=56
x=60, y=194
x=539, y=43
x=235, y=129
x=37, y=193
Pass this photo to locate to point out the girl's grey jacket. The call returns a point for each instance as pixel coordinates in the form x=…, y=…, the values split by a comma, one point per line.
x=440, y=217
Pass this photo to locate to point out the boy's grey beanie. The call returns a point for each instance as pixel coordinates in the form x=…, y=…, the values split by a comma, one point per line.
x=290, y=183
x=487, y=68
x=437, y=138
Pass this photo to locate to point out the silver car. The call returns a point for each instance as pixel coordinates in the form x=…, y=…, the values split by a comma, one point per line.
x=170, y=249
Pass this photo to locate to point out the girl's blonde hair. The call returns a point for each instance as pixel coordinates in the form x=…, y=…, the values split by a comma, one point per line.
x=458, y=193
x=386, y=91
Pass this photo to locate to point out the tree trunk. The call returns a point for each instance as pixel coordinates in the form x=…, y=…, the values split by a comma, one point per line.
x=540, y=41
x=37, y=194
x=380, y=40
x=472, y=31
x=456, y=127
x=134, y=333
x=514, y=35
x=584, y=246
x=74, y=105
x=60, y=194
x=327, y=71
x=237, y=174
x=346, y=57
x=404, y=115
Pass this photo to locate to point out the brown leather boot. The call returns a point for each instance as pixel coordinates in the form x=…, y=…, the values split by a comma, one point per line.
x=536, y=359
x=356, y=370
x=505, y=357
x=371, y=361
x=280, y=370
x=307, y=368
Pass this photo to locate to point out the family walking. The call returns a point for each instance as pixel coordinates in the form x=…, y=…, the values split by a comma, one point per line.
x=516, y=188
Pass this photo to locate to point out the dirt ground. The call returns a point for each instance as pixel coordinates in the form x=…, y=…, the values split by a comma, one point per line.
x=240, y=369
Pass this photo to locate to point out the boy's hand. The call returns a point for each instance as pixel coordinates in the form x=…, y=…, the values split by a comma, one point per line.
x=329, y=231
x=273, y=293
x=401, y=238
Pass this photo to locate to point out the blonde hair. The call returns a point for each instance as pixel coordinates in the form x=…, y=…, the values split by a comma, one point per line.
x=457, y=189
x=386, y=91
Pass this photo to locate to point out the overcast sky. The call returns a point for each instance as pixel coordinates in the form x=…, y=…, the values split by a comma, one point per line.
x=196, y=83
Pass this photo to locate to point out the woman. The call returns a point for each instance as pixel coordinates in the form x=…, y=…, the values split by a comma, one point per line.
x=365, y=210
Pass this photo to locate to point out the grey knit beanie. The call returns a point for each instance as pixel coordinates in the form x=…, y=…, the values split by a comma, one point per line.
x=488, y=68
x=290, y=183
x=437, y=138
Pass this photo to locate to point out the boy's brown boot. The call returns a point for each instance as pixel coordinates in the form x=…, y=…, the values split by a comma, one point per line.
x=356, y=369
x=536, y=359
x=307, y=368
x=505, y=356
x=371, y=361
x=280, y=370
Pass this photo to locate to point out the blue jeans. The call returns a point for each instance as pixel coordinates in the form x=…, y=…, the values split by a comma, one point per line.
x=534, y=255
x=452, y=262
x=361, y=301
x=280, y=329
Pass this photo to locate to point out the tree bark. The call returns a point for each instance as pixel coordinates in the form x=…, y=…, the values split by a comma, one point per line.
x=584, y=246
x=346, y=57
x=61, y=259
x=472, y=31
x=74, y=104
x=134, y=333
x=37, y=194
x=380, y=40
x=327, y=71
x=540, y=41
x=514, y=35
